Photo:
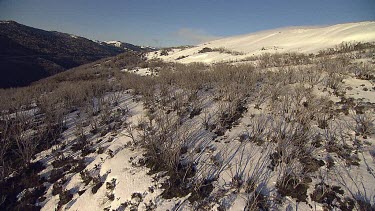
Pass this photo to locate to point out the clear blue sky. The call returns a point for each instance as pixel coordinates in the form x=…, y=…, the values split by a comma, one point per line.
x=178, y=22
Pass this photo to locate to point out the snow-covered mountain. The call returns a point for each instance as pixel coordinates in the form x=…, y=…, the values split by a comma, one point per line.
x=291, y=39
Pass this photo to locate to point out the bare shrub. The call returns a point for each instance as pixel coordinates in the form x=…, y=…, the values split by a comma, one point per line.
x=258, y=130
x=205, y=50
x=164, y=52
x=206, y=118
x=364, y=124
x=353, y=183
x=227, y=51
x=130, y=132
x=26, y=146
x=5, y=145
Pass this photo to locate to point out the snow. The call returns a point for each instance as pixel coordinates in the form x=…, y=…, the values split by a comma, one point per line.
x=139, y=71
x=359, y=89
x=115, y=43
x=130, y=179
x=292, y=39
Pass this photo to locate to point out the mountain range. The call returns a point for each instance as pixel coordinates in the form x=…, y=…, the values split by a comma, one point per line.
x=28, y=54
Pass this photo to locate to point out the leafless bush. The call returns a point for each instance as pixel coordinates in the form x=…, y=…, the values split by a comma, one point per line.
x=364, y=71
x=258, y=130
x=130, y=132
x=26, y=146
x=311, y=75
x=250, y=170
x=164, y=52
x=164, y=140
x=346, y=47
x=267, y=60
x=114, y=97
x=364, y=124
x=227, y=51
x=355, y=186
x=80, y=130
x=5, y=145
x=261, y=96
x=333, y=81
x=292, y=180
x=256, y=182
x=209, y=170
x=206, y=118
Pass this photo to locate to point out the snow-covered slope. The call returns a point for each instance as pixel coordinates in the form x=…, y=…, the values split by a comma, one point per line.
x=292, y=39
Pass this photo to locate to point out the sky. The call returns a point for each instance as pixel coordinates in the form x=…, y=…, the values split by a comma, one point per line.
x=162, y=23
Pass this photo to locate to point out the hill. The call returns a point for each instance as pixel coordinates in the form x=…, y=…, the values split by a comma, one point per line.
x=291, y=39
x=29, y=54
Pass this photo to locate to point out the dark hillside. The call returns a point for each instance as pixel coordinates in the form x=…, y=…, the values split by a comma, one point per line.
x=28, y=54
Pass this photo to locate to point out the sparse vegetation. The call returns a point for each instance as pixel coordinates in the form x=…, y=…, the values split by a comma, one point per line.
x=196, y=125
x=220, y=50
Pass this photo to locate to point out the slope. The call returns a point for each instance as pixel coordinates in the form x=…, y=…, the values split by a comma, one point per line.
x=292, y=39
x=28, y=54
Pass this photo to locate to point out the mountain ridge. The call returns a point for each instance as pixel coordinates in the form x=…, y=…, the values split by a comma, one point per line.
x=29, y=54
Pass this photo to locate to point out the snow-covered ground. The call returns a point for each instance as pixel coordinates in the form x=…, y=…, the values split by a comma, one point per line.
x=245, y=150
x=132, y=187
x=291, y=39
x=139, y=71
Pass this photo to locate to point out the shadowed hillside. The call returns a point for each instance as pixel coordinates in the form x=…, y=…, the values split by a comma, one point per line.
x=29, y=54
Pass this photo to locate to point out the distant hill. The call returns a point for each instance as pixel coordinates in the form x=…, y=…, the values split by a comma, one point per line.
x=28, y=54
x=300, y=39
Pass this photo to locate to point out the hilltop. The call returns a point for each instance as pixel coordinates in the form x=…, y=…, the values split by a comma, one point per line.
x=285, y=40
